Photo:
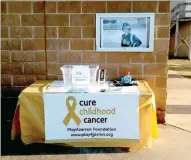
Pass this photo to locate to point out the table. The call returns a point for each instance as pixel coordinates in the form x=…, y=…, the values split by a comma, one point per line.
x=28, y=121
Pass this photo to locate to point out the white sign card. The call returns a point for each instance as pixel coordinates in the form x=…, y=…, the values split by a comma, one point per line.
x=81, y=75
x=72, y=116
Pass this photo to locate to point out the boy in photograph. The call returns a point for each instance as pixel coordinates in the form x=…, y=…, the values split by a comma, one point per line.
x=128, y=39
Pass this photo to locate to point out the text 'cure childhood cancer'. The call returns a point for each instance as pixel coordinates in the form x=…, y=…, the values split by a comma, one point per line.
x=88, y=108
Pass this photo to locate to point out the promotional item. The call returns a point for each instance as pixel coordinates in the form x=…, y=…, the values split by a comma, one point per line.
x=102, y=76
x=127, y=78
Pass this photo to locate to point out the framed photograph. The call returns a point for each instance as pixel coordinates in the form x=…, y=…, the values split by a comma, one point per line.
x=125, y=32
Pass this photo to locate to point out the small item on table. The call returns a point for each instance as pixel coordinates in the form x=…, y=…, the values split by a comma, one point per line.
x=124, y=81
x=103, y=90
x=127, y=78
x=102, y=76
x=115, y=83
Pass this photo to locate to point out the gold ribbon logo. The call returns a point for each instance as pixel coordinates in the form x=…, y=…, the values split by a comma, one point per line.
x=71, y=113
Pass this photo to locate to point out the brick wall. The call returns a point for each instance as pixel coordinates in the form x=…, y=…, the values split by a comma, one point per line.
x=70, y=38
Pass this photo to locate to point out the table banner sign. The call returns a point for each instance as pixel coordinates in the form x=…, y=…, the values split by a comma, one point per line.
x=77, y=116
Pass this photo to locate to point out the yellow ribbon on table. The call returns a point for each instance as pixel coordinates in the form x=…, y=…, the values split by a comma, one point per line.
x=71, y=113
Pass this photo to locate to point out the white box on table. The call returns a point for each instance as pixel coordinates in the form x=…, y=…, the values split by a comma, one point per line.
x=79, y=74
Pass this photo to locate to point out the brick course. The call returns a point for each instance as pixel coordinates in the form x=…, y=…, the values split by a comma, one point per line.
x=145, y=6
x=82, y=44
x=93, y=7
x=69, y=7
x=6, y=80
x=4, y=32
x=20, y=32
x=21, y=7
x=69, y=32
x=118, y=7
x=38, y=32
x=5, y=56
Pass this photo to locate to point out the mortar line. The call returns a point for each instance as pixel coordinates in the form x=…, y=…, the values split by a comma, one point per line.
x=31, y=7
x=7, y=7
x=56, y=6
x=46, y=58
x=131, y=6
x=106, y=7
x=157, y=6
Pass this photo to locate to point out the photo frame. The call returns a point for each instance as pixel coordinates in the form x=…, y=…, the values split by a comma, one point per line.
x=125, y=32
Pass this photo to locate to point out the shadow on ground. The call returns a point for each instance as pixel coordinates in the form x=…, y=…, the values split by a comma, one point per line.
x=178, y=109
x=182, y=66
x=16, y=147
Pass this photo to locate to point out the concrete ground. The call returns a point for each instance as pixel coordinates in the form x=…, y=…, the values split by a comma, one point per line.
x=174, y=142
x=178, y=111
x=181, y=66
